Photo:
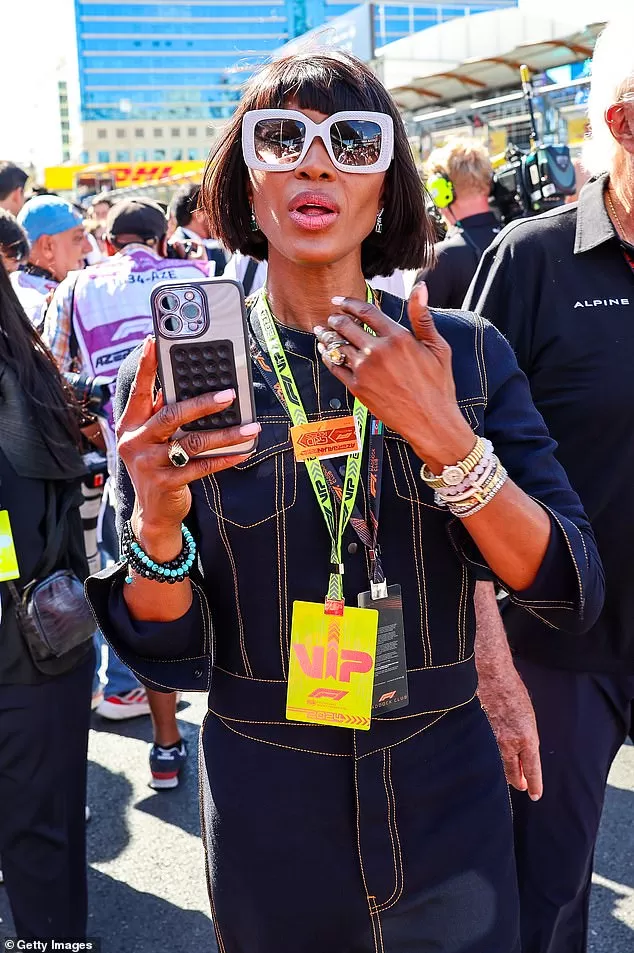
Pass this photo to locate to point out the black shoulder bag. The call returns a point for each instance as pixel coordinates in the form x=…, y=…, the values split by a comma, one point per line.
x=53, y=616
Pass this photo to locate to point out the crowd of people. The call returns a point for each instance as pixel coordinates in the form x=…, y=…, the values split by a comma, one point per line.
x=488, y=372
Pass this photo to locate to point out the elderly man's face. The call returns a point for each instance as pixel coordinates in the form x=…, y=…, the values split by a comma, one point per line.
x=620, y=119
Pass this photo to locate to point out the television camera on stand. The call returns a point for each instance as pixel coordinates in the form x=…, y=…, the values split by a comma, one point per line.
x=530, y=183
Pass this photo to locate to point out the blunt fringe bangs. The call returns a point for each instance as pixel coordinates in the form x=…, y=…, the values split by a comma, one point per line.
x=327, y=82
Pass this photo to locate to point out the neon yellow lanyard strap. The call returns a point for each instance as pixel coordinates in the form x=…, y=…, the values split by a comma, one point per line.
x=295, y=407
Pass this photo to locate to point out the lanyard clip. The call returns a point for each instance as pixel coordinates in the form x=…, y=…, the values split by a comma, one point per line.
x=378, y=590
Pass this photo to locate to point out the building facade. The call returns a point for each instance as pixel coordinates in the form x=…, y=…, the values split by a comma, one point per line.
x=158, y=79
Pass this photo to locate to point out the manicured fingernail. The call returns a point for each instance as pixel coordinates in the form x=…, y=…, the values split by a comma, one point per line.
x=535, y=797
x=317, y=330
x=338, y=299
x=321, y=347
x=224, y=396
x=335, y=319
x=250, y=430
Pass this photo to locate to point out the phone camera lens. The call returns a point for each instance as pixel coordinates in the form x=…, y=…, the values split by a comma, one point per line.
x=190, y=311
x=172, y=324
x=169, y=302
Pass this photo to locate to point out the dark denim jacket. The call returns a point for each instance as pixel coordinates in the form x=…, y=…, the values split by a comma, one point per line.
x=263, y=545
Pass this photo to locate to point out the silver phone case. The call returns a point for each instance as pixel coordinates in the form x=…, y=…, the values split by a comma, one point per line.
x=226, y=320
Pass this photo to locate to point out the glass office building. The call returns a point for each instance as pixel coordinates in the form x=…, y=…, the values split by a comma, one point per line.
x=185, y=60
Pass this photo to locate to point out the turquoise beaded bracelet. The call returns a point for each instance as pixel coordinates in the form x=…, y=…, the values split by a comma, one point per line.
x=174, y=571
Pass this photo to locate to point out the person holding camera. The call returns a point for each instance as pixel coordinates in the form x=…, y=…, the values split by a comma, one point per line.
x=560, y=287
x=46, y=649
x=322, y=836
x=96, y=318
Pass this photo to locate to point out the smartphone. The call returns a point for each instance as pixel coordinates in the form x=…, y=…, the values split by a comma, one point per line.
x=202, y=343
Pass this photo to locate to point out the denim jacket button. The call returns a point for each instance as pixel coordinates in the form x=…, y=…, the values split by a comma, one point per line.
x=335, y=403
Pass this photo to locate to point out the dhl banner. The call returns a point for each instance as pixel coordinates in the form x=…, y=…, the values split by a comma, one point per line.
x=63, y=178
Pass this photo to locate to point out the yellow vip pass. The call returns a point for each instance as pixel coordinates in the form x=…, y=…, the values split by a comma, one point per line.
x=331, y=674
x=8, y=559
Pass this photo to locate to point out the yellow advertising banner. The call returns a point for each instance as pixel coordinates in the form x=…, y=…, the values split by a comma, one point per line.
x=331, y=673
x=64, y=178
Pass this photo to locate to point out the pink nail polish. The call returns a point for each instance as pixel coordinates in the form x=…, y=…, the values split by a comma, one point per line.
x=250, y=430
x=338, y=299
x=224, y=396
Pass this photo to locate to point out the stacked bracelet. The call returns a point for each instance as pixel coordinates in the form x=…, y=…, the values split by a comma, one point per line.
x=468, y=486
x=174, y=571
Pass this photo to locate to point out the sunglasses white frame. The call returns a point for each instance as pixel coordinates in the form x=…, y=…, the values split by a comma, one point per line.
x=320, y=130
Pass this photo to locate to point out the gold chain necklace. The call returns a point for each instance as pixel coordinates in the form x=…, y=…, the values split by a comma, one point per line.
x=614, y=212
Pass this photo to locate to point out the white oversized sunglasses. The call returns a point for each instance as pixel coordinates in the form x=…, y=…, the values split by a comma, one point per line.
x=276, y=140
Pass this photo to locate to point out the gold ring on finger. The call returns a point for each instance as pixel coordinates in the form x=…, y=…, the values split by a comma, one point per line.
x=335, y=355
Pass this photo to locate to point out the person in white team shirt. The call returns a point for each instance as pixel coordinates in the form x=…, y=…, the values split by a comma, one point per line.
x=96, y=318
x=58, y=245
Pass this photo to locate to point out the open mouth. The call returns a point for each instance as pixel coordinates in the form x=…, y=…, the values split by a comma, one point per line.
x=313, y=210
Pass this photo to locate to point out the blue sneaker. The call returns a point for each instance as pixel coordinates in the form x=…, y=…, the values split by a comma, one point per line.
x=166, y=765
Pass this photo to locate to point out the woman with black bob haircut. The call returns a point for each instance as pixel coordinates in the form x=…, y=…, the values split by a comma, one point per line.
x=353, y=797
x=44, y=702
x=326, y=84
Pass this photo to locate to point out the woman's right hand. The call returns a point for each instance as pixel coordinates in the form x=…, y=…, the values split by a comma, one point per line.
x=144, y=430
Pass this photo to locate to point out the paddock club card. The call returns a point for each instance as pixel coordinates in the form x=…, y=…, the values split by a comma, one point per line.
x=390, y=670
x=331, y=673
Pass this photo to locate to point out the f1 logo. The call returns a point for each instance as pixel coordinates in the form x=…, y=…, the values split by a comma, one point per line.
x=333, y=693
x=387, y=697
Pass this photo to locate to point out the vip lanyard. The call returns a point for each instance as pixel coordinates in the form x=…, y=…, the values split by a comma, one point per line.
x=323, y=475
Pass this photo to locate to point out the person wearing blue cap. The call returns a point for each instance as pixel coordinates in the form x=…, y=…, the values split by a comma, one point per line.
x=58, y=246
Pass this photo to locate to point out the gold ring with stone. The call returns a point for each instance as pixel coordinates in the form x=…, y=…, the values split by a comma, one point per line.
x=178, y=457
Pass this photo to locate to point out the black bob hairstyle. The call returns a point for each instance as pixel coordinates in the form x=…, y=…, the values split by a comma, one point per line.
x=327, y=82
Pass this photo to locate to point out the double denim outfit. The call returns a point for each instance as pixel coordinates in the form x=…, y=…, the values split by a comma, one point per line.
x=322, y=839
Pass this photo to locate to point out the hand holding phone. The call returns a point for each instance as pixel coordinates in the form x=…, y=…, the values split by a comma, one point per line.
x=202, y=347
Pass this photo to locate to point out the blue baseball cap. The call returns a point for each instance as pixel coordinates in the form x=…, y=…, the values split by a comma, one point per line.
x=47, y=215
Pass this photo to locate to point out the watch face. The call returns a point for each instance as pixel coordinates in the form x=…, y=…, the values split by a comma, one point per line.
x=452, y=476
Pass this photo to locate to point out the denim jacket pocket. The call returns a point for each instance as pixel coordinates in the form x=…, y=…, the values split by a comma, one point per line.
x=265, y=485
x=405, y=466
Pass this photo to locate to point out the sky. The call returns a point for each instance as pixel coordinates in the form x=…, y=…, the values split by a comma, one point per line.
x=29, y=121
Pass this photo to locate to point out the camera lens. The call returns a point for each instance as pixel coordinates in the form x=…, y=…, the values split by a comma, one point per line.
x=169, y=302
x=190, y=311
x=172, y=324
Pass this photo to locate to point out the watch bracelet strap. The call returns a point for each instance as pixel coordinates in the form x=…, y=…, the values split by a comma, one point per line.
x=466, y=465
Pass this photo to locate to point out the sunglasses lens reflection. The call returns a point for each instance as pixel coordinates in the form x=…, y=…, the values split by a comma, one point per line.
x=356, y=142
x=279, y=141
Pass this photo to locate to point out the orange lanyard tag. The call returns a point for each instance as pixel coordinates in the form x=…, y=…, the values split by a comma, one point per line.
x=326, y=438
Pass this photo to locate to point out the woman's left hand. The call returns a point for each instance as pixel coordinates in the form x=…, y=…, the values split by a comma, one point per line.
x=404, y=379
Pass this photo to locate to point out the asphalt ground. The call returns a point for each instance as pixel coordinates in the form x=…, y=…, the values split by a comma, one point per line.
x=147, y=881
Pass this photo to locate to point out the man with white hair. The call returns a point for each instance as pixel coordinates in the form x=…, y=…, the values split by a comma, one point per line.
x=561, y=288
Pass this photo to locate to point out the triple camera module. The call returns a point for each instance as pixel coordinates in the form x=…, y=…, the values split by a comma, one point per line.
x=182, y=313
